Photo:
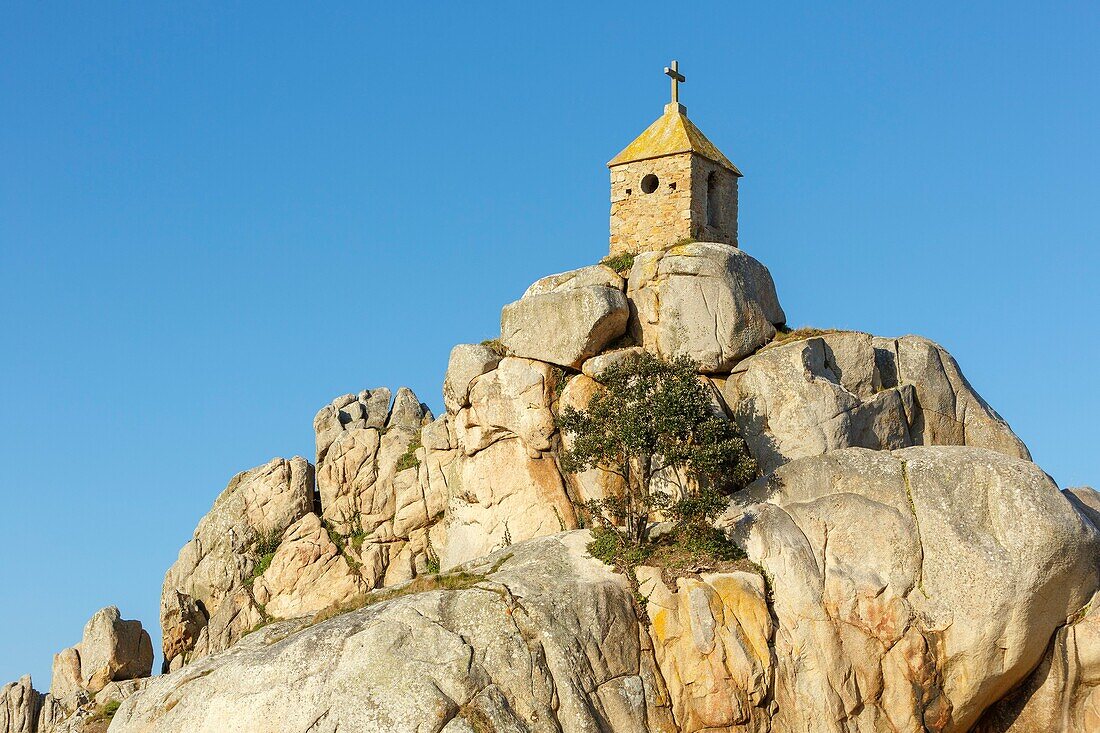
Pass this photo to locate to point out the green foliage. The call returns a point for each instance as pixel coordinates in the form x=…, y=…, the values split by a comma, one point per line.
x=106, y=711
x=620, y=263
x=267, y=542
x=433, y=565
x=408, y=459
x=496, y=346
x=654, y=415
x=685, y=240
x=261, y=566
x=263, y=550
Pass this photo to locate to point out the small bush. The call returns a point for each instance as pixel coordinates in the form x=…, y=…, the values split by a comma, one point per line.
x=408, y=459
x=263, y=549
x=496, y=346
x=620, y=263
x=106, y=711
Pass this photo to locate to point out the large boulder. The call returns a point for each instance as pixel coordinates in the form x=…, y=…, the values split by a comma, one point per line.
x=207, y=586
x=849, y=389
x=502, y=495
x=911, y=589
x=711, y=302
x=711, y=637
x=113, y=649
x=19, y=704
x=1063, y=693
x=66, y=682
x=567, y=318
x=539, y=637
x=466, y=363
x=513, y=400
x=308, y=572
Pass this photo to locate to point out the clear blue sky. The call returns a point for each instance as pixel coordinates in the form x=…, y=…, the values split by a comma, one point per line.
x=215, y=219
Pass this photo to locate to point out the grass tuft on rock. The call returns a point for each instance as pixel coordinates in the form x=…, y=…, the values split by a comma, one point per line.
x=784, y=335
x=496, y=346
x=408, y=459
x=620, y=263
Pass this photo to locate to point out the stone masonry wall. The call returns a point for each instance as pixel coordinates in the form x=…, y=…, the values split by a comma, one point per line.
x=650, y=221
x=721, y=226
x=677, y=209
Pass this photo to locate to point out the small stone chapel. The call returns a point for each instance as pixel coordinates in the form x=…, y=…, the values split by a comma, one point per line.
x=672, y=184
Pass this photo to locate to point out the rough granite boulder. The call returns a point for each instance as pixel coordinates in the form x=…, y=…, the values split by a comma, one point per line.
x=849, y=389
x=712, y=639
x=308, y=572
x=66, y=683
x=1063, y=693
x=466, y=363
x=502, y=495
x=911, y=589
x=513, y=400
x=567, y=318
x=19, y=704
x=205, y=602
x=113, y=649
x=711, y=302
x=536, y=638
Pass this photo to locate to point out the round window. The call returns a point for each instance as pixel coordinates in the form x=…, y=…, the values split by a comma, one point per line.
x=649, y=183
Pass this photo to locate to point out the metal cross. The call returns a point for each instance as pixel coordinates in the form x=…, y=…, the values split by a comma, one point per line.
x=677, y=77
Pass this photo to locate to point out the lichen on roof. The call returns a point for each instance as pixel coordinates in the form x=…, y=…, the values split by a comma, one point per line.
x=672, y=133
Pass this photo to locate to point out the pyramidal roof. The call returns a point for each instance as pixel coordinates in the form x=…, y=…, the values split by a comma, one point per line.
x=672, y=133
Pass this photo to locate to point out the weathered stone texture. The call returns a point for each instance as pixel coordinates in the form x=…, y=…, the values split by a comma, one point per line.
x=546, y=641
x=914, y=588
x=695, y=198
x=850, y=389
x=564, y=327
x=711, y=302
x=113, y=649
x=205, y=602
x=19, y=704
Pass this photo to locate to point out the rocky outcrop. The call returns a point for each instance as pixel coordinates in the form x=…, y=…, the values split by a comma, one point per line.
x=911, y=589
x=711, y=302
x=712, y=637
x=19, y=704
x=308, y=572
x=565, y=319
x=502, y=495
x=368, y=458
x=512, y=400
x=466, y=363
x=113, y=649
x=206, y=603
x=848, y=389
x=1063, y=693
x=539, y=637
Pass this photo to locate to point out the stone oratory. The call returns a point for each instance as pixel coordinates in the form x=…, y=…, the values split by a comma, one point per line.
x=672, y=184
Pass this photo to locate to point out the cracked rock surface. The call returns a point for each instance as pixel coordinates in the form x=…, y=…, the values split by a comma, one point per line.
x=546, y=640
x=914, y=588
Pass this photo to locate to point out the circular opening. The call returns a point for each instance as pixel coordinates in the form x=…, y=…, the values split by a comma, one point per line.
x=649, y=183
